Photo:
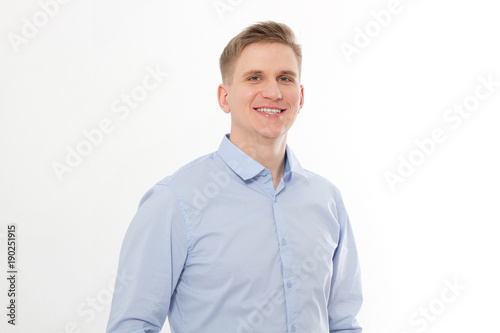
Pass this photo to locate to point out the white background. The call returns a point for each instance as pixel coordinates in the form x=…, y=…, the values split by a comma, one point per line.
x=361, y=114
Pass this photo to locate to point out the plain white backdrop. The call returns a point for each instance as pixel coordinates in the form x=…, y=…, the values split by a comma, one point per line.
x=379, y=77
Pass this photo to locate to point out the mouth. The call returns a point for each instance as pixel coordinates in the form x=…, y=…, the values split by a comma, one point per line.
x=269, y=110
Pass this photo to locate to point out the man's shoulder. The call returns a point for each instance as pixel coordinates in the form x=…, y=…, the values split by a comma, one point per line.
x=317, y=178
x=318, y=181
x=185, y=177
x=191, y=170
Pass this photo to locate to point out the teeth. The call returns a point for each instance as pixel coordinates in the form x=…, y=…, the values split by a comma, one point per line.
x=269, y=111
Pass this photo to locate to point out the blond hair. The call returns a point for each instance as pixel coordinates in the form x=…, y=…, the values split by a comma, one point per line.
x=262, y=32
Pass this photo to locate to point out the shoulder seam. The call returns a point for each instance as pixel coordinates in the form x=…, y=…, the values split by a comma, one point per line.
x=183, y=209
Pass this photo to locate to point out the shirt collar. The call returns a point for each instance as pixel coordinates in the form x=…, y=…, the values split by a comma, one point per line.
x=246, y=167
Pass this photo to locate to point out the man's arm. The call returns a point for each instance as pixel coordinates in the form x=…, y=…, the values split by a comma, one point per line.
x=151, y=260
x=345, y=292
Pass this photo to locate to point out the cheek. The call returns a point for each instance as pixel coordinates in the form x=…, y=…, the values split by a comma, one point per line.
x=293, y=97
x=247, y=96
x=241, y=98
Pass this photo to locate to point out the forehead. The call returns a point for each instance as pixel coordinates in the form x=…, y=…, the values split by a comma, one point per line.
x=266, y=57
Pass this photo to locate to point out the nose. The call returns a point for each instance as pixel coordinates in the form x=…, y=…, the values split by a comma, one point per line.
x=271, y=90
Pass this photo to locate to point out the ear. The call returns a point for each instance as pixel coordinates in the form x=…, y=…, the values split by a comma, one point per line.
x=222, y=92
x=301, y=97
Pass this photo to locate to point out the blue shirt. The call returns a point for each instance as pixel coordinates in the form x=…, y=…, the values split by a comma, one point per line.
x=218, y=249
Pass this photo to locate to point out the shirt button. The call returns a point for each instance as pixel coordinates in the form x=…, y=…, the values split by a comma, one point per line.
x=283, y=241
x=289, y=284
x=293, y=328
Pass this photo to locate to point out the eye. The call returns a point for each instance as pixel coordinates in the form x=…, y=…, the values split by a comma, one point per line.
x=285, y=79
x=254, y=78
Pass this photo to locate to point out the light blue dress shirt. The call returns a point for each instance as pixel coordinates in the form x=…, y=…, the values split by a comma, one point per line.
x=218, y=249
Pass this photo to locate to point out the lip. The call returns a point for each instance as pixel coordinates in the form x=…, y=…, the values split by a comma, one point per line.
x=277, y=115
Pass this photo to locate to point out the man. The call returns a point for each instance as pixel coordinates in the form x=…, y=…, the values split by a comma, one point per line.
x=244, y=239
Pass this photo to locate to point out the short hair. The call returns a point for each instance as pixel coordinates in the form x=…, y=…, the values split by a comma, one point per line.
x=262, y=32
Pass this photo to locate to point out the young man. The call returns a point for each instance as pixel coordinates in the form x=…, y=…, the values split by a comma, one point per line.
x=244, y=239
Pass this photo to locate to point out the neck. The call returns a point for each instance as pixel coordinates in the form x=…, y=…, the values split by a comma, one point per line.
x=269, y=152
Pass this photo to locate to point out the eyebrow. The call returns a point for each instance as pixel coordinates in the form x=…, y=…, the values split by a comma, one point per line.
x=256, y=71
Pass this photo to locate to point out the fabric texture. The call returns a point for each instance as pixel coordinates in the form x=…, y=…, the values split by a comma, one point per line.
x=216, y=248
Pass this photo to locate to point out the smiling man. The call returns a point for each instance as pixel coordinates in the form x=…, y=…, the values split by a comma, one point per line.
x=262, y=92
x=244, y=239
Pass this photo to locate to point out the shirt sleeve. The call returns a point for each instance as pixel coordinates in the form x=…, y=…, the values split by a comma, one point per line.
x=151, y=261
x=345, y=292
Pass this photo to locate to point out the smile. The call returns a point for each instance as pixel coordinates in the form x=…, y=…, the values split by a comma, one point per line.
x=270, y=111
